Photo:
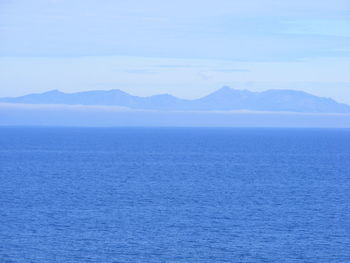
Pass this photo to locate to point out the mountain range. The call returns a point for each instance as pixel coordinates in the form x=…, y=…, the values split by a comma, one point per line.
x=224, y=99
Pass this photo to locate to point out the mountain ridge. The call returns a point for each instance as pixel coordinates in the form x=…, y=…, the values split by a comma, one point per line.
x=224, y=99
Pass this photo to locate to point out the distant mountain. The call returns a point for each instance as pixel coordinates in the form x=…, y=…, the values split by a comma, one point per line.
x=223, y=99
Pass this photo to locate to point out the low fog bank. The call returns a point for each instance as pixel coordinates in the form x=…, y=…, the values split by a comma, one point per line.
x=104, y=116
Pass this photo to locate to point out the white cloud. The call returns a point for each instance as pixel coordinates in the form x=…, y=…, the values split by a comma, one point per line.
x=49, y=115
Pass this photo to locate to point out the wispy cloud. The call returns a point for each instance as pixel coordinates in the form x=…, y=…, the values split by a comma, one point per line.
x=232, y=70
x=97, y=116
x=249, y=30
x=139, y=71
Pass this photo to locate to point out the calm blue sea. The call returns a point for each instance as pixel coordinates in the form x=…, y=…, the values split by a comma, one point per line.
x=174, y=195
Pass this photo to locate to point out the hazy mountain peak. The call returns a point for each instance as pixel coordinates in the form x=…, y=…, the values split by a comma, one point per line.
x=286, y=91
x=224, y=89
x=117, y=91
x=54, y=91
x=229, y=90
x=223, y=99
x=226, y=93
x=163, y=95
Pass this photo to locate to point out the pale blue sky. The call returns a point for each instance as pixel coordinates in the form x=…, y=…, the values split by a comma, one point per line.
x=186, y=48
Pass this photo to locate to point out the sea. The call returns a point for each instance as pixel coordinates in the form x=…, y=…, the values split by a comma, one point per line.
x=174, y=195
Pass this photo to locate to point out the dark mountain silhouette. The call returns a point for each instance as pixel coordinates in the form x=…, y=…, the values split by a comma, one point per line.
x=223, y=99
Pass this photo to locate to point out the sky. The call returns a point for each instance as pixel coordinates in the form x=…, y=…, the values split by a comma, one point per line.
x=185, y=48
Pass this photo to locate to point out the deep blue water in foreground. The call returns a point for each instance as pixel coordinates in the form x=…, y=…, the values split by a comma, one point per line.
x=174, y=195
